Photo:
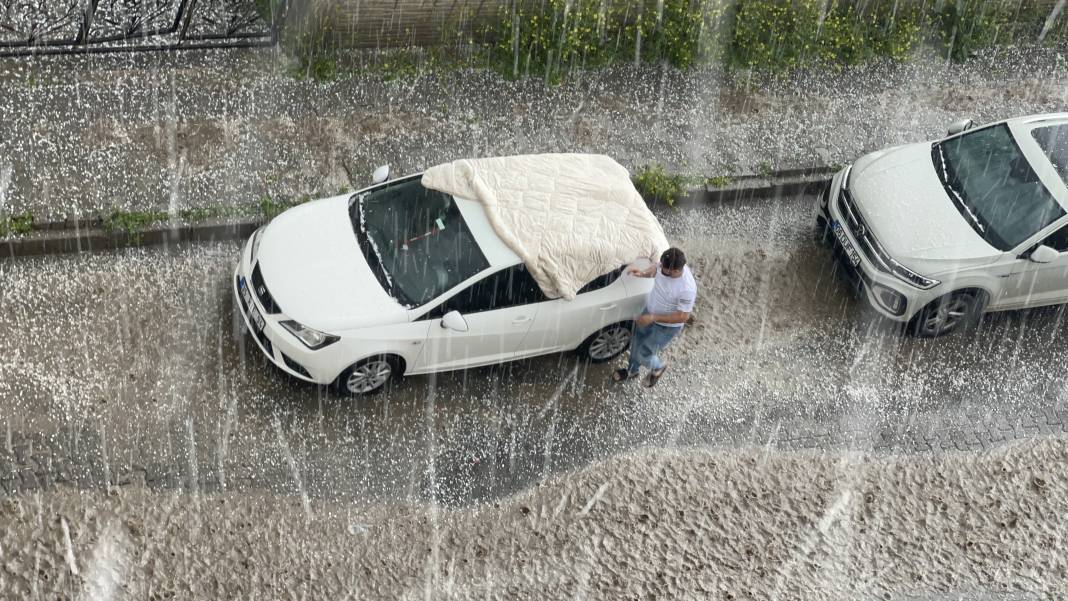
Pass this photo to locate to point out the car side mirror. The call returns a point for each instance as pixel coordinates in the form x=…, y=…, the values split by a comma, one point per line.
x=962, y=125
x=380, y=175
x=454, y=321
x=1043, y=254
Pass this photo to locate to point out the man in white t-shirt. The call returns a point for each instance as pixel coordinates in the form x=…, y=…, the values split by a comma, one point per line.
x=667, y=308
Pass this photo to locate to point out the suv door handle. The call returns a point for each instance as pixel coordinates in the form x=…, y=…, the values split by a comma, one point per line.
x=523, y=319
x=607, y=307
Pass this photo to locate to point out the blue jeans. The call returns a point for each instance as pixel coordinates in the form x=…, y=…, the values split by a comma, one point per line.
x=646, y=343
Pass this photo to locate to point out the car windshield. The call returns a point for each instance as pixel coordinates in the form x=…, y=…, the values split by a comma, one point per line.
x=994, y=187
x=1053, y=140
x=415, y=240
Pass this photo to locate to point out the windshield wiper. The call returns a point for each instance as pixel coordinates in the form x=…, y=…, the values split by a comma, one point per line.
x=372, y=253
x=955, y=194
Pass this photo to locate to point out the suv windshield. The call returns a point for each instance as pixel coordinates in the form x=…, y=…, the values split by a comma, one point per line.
x=415, y=240
x=994, y=187
x=1053, y=140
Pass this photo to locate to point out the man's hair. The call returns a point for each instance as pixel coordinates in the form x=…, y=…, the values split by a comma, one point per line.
x=672, y=258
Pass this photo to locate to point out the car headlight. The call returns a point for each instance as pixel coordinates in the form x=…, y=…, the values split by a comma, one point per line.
x=313, y=339
x=912, y=278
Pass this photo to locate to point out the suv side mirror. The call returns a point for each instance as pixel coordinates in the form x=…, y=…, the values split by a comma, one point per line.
x=380, y=175
x=454, y=321
x=1043, y=254
x=962, y=125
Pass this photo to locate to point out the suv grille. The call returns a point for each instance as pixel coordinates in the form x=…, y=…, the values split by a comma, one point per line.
x=262, y=293
x=868, y=244
x=260, y=336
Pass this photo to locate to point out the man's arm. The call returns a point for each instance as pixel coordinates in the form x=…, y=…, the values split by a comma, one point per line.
x=647, y=273
x=676, y=317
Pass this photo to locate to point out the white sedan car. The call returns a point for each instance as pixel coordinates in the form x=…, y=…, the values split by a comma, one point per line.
x=399, y=279
x=933, y=234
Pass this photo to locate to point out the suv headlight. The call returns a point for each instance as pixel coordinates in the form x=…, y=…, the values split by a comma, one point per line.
x=911, y=277
x=313, y=339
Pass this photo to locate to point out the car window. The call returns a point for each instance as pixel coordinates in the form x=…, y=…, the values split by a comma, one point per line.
x=603, y=281
x=509, y=287
x=1058, y=240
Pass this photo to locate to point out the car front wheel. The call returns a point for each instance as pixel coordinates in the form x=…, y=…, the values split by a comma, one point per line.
x=946, y=314
x=607, y=343
x=368, y=376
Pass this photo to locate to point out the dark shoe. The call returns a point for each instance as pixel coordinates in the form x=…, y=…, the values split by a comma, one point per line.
x=654, y=377
x=622, y=374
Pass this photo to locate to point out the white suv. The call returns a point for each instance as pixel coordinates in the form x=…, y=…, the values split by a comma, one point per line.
x=399, y=279
x=933, y=234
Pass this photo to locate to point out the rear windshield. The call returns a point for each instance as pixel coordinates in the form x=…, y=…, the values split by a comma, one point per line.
x=994, y=187
x=415, y=240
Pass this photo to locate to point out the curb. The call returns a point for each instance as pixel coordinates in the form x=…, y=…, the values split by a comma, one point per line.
x=88, y=235
x=76, y=240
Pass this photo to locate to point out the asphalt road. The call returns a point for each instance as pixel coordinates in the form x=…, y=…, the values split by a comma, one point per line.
x=129, y=368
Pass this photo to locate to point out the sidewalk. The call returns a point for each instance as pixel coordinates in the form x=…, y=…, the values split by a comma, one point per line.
x=80, y=136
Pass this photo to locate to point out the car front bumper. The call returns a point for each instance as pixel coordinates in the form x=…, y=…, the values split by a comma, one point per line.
x=278, y=345
x=887, y=294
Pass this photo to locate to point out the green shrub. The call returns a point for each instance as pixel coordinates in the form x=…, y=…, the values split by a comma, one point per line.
x=970, y=25
x=17, y=225
x=684, y=33
x=271, y=208
x=654, y=183
x=132, y=221
x=556, y=37
x=966, y=26
x=312, y=42
x=785, y=34
x=719, y=181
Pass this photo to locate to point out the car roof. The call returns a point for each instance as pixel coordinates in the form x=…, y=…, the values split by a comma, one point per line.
x=1046, y=167
x=1040, y=120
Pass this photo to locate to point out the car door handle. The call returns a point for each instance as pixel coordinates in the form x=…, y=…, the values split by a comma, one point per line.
x=523, y=319
x=607, y=307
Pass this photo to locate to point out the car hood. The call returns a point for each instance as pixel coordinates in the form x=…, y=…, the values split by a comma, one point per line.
x=900, y=197
x=313, y=267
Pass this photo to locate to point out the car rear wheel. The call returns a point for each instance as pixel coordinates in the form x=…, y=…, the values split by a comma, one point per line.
x=946, y=314
x=607, y=343
x=368, y=376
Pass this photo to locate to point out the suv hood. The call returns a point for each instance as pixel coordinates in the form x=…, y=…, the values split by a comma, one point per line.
x=905, y=206
x=313, y=267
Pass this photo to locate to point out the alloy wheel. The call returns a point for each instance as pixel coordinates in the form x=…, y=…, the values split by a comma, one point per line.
x=369, y=376
x=945, y=317
x=609, y=343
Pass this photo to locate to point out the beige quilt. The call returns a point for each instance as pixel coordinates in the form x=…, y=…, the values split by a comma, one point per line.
x=570, y=217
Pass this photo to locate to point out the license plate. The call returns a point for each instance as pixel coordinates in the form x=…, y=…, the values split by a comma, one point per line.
x=253, y=313
x=847, y=246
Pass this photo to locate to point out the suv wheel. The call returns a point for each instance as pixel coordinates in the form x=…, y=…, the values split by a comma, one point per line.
x=368, y=376
x=607, y=343
x=946, y=314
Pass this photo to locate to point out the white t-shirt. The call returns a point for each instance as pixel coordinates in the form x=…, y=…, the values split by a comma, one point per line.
x=670, y=295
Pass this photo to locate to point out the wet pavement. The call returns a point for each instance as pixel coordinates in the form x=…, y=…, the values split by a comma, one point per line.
x=129, y=368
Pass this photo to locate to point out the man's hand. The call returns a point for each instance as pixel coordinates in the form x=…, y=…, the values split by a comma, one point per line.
x=642, y=273
x=644, y=320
